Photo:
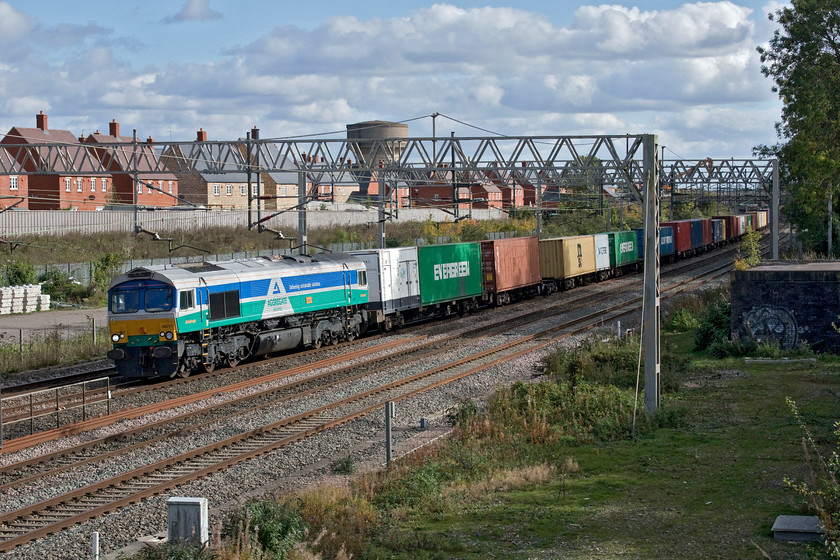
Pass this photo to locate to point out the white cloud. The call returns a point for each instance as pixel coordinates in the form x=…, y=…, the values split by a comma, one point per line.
x=613, y=69
x=14, y=25
x=195, y=10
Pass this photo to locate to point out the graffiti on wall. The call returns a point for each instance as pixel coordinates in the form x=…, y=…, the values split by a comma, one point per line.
x=768, y=324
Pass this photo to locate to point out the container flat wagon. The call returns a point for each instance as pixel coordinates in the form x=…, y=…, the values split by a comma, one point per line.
x=623, y=250
x=393, y=284
x=450, y=277
x=666, y=242
x=682, y=236
x=510, y=269
x=566, y=261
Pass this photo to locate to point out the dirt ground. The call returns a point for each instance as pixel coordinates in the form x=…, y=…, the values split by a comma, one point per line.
x=72, y=321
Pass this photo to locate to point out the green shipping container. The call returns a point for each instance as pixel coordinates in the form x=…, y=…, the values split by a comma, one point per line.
x=449, y=272
x=623, y=248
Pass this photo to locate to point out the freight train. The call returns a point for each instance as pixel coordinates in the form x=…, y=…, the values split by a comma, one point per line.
x=171, y=320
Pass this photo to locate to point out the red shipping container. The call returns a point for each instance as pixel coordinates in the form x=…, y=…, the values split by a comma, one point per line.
x=682, y=235
x=508, y=264
x=708, y=238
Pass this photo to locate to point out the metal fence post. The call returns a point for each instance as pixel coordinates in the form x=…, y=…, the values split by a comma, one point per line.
x=389, y=412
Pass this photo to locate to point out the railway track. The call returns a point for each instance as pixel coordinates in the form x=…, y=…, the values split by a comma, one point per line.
x=36, y=520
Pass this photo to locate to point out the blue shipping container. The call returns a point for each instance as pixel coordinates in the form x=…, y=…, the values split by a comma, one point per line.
x=696, y=234
x=666, y=241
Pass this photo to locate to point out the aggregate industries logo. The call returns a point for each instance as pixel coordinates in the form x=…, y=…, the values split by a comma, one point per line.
x=445, y=271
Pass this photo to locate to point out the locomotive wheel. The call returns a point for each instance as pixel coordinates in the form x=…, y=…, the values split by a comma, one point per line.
x=316, y=343
x=208, y=367
x=234, y=359
x=351, y=336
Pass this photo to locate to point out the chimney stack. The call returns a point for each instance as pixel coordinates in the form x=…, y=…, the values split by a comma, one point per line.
x=114, y=128
x=41, y=121
x=150, y=140
x=201, y=135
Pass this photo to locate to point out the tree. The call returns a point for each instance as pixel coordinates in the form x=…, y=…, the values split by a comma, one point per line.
x=803, y=58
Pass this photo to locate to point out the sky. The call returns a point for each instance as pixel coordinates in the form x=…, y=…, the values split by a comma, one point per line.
x=688, y=72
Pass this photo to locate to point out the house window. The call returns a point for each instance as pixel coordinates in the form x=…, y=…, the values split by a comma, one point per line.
x=437, y=197
x=104, y=183
x=139, y=187
x=148, y=188
x=13, y=183
x=217, y=190
x=283, y=191
x=254, y=189
x=170, y=187
x=230, y=190
x=160, y=185
x=92, y=184
x=79, y=184
x=67, y=184
x=243, y=190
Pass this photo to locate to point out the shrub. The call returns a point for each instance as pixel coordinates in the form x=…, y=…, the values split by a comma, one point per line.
x=683, y=320
x=19, y=273
x=714, y=324
x=62, y=287
x=270, y=526
x=345, y=465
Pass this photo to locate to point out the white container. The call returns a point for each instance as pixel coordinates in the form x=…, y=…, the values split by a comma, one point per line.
x=602, y=251
x=393, y=279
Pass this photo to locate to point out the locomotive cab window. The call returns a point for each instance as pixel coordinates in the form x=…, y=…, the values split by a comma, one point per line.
x=124, y=301
x=187, y=299
x=158, y=299
x=362, y=278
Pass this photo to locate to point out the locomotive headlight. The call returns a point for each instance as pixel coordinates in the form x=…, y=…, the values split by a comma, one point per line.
x=169, y=335
x=115, y=337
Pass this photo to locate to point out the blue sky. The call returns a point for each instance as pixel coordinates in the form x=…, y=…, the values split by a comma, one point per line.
x=685, y=71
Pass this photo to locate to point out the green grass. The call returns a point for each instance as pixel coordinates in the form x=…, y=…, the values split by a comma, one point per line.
x=709, y=490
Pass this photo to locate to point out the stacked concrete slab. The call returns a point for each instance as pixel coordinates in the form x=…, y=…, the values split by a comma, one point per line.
x=23, y=299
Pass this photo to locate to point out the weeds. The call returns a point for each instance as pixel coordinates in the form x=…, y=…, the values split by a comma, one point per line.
x=52, y=347
x=823, y=495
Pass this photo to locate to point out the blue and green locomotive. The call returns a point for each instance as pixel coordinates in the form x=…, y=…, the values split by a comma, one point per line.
x=169, y=320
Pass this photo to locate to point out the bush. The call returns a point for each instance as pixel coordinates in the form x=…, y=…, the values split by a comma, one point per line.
x=19, y=273
x=269, y=526
x=714, y=324
x=62, y=287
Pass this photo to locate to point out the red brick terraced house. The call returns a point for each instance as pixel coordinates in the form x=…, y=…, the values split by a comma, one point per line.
x=14, y=189
x=72, y=186
x=153, y=188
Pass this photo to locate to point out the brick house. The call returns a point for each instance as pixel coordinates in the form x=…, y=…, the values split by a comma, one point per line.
x=486, y=195
x=14, y=189
x=153, y=188
x=513, y=194
x=229, y=190
x=74, y=185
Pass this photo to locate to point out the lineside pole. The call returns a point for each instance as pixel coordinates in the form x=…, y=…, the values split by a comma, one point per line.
x=302, y=198
x=651, y=311
x=774, y=213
